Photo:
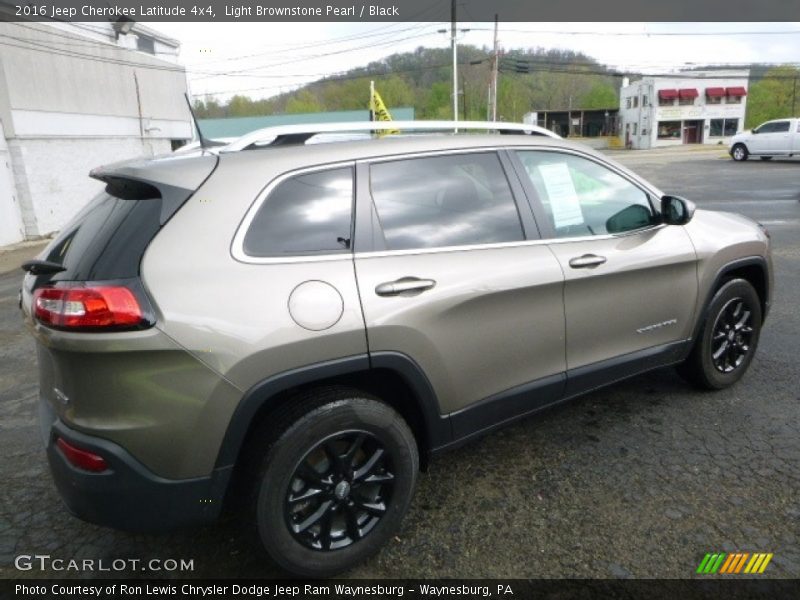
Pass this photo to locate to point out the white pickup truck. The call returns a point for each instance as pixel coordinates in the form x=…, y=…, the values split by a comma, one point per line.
x=773, y=138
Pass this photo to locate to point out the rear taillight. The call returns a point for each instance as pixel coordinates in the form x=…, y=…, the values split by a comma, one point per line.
x=91, y=307
x=83, y=459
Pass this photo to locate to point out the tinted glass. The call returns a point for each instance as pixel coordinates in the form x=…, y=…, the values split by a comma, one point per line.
x=582, y=197
x=780, y=127
x=731, y=126
x=304, y=214
x=441, y=201
x=107, y=239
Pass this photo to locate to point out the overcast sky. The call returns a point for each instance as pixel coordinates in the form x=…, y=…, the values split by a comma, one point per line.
x=264, y=59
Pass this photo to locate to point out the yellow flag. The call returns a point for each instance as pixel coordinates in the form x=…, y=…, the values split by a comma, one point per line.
x=380, y=112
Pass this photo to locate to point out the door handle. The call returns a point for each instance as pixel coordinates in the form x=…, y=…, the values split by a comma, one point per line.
x=586, y=261
x=405, y=286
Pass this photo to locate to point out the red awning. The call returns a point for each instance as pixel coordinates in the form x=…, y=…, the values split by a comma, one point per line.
x=667, y=94
x=715, y=92
x=688, y=93
x=736, y=91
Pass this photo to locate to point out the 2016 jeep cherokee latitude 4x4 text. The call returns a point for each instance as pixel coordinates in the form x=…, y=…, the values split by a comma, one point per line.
x=309, y=322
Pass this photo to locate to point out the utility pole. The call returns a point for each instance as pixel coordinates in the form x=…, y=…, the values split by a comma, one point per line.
x=495, y=62
x=794, y=95
x=455, y=58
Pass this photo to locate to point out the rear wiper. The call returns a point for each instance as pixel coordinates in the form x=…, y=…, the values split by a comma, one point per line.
x=42, y=267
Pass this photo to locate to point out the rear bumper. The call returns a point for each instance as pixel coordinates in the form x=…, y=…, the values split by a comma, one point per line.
x=128, y=496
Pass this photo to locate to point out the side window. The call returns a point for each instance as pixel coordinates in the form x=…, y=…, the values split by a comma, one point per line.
x=305, y=214
x=441, y=201
x=780, y=127
x=767, y=128
x=582, y=197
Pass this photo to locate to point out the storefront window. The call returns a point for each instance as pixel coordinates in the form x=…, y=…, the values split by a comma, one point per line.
x=666, y=101
x=723, y=127
x=669, y=130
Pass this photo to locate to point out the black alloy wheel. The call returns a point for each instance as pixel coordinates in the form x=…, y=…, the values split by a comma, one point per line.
x=727, y=338
x=334, y=473
x=339, y=491
x=733, y=331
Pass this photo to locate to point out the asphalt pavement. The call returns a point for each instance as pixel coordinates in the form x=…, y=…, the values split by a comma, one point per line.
x=640, y=479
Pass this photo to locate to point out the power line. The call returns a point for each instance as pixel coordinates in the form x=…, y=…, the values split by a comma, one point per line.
x=378, y=32
x=645, y=33
x=239, y=72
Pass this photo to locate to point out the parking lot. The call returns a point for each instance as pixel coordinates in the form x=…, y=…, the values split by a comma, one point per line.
x=640, y=479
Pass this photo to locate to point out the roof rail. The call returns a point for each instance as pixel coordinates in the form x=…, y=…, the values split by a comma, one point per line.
x=299, y=134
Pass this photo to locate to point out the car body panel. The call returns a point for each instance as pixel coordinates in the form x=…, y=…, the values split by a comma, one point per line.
x=494, y=319
x=644, y=295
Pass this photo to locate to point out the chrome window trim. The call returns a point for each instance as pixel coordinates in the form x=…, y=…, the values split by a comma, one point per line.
x=237, y=244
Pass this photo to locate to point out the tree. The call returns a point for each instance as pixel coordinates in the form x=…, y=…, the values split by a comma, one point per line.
x=600, y=95
x=772, y=97
x=303, y=102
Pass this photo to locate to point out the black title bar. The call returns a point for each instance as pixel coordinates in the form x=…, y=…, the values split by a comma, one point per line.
x=402, y=10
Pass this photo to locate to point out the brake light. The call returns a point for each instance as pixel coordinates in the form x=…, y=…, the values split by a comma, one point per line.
x=87, y=307
x=83, y=459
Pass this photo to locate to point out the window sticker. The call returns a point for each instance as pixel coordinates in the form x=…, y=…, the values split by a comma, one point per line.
x=561, y=192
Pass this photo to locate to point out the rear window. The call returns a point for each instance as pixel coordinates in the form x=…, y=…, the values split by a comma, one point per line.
x=107, y=239
x=310, y=213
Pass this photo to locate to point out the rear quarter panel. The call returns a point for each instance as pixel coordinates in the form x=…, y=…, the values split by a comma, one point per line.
x=234, y=316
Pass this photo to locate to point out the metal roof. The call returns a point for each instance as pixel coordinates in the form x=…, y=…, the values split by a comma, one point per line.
x=229, y=127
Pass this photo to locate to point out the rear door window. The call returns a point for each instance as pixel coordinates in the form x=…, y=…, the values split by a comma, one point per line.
x=306, y=214
x=441, y=201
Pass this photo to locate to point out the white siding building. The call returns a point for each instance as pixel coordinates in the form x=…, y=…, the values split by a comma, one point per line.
x=692, y=107
x=74, y=96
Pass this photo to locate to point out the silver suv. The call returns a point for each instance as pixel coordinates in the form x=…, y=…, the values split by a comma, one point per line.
x=298, y=327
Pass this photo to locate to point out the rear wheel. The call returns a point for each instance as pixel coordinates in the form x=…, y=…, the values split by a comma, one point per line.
x=335, y=482
x=739, y=152
x=728, y=338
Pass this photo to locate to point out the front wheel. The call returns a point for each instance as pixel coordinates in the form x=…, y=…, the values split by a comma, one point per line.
x=728, y=338
x=335, y=483
x=739, y=152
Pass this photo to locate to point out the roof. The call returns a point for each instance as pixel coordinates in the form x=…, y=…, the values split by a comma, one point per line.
x=270, y=161
x=237, y=126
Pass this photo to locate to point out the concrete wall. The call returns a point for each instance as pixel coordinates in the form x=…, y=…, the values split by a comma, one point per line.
x=53, y=188
x=72, y=100
x=11, y=227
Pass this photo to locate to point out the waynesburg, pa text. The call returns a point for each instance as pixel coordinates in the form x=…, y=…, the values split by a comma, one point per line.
x=269, y=591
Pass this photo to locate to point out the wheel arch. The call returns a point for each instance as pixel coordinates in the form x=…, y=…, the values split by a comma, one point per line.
x=753, y=269
x=393, y=377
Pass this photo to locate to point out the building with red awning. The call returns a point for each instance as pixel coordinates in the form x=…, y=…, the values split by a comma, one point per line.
x=689, y=107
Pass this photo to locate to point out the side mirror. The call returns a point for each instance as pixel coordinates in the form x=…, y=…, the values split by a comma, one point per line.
x=676, y=210
x=754, y=131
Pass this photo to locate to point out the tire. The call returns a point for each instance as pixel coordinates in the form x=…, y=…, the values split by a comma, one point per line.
x=337, y=476
x=765, y=157
x=739, y=152
x=728, y=337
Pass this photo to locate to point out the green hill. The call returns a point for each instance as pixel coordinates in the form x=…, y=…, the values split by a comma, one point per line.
x=531, y=79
